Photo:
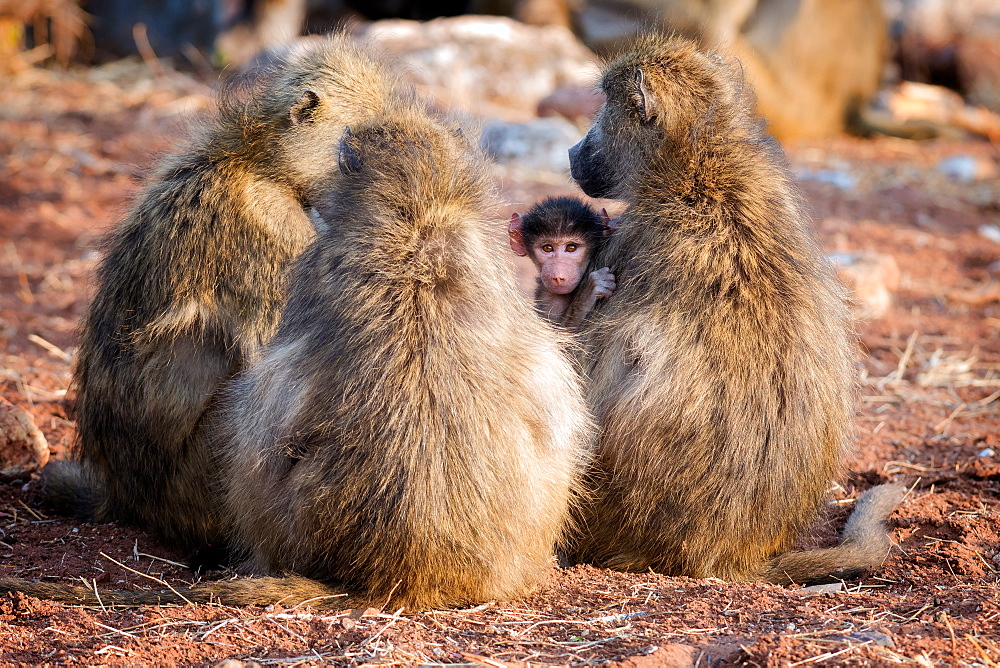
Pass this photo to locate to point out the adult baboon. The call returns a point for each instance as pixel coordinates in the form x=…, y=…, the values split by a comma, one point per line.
x=413, y=434
x=436, y=431
x=721, y=371
x=192, y=283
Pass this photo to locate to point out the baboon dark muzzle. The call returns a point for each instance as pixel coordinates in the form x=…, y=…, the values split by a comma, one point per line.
x=586, y=169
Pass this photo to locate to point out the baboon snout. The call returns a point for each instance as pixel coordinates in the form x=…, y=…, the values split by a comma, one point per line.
x=574, y=159
x=561, y=277
x=586, y=167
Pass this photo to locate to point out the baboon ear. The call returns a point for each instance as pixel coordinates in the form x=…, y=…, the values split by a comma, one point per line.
x=608, y=224
x=303, y=110
x=516, y=237
x=643, y=99
x=347, y=157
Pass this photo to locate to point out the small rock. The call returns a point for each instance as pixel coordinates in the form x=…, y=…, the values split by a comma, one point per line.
x=872, y=277
x=966, y=168
x=358, y=613
x=991, y=232
x=579, y=104
x=874, y=637
x=541, y=145
x=988, y=452
x=832, y=588
x=959, y=167
x=834, y=177
x=913, y=101
x=23, y=448
x=347, y=623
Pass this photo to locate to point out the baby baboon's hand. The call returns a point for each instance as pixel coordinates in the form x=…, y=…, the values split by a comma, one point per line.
x=602, y=283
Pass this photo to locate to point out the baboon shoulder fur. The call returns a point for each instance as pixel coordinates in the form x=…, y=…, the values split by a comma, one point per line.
x=721, y=372
x=192, y=283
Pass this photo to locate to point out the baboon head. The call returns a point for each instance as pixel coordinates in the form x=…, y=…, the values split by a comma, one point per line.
x=663, y=97
x=407, y=163
x=560, y=235
x=402, y=192
x=288, y=112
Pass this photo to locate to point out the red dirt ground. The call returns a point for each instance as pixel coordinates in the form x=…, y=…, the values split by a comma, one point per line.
x=69, y=144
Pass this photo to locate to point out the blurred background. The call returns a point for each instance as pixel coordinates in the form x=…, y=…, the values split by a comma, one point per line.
x=909, y=68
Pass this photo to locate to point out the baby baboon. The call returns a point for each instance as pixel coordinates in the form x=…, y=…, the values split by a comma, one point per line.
x=193, y=282
x=561, y=235
x=721, y=371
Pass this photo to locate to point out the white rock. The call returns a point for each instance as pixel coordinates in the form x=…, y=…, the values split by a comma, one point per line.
x=872, y=278
x=967, y=168
x=991, y=232
x=831, y=588
x=489, y=65
x=959, y=167
x=540, y=145
x=834, y=177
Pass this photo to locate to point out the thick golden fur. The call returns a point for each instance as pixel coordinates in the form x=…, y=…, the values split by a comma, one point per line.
x=720, y=372
x=192, y=283
x=413, y=433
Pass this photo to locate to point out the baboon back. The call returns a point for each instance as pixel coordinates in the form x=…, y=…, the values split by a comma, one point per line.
x=413, y=433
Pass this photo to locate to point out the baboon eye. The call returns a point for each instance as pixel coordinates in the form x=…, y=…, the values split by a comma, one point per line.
x=570, y=248
x=547, y=248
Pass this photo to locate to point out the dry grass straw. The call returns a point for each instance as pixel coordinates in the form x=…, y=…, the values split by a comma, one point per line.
x=919, y=370
x=153, y=578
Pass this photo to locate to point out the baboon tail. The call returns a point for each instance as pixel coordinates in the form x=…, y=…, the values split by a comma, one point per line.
x=864, y=544
x=287, y=591
x=74, y=489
